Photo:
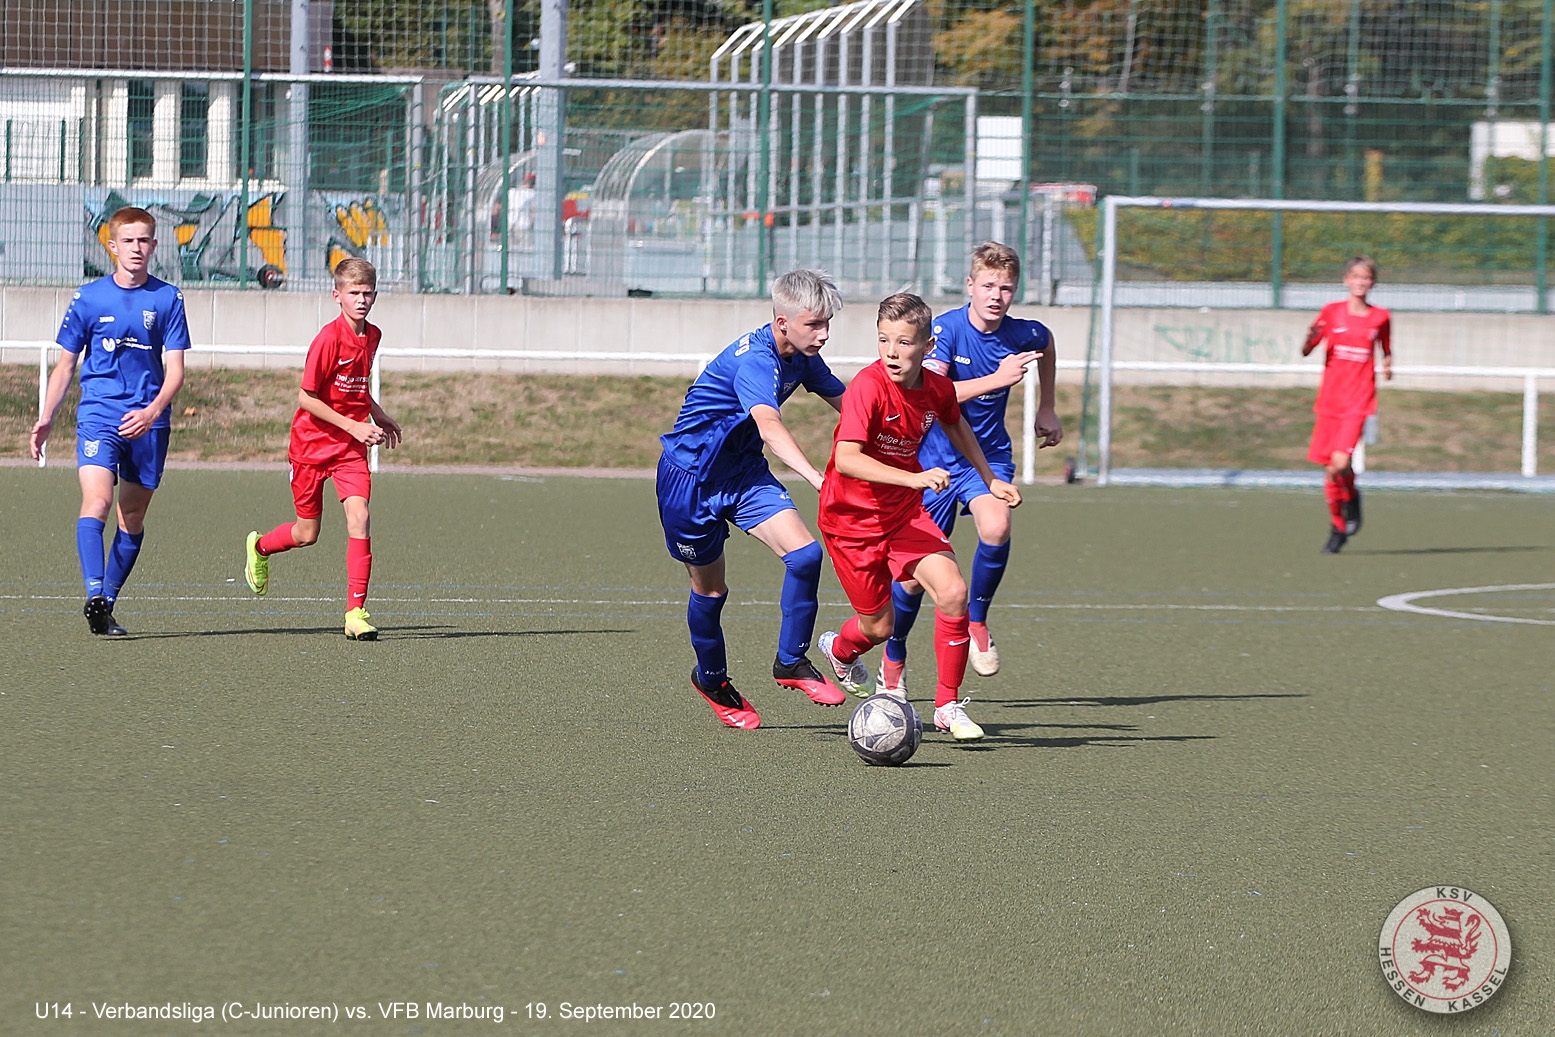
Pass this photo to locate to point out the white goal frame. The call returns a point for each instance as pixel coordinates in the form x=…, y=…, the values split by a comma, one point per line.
x=1107, y=364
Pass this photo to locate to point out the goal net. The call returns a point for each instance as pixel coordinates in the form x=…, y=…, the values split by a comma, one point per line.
x=1195, y=374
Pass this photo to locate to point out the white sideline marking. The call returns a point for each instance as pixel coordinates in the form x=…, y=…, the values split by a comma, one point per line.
x=1406, y=603
x=1163, y=607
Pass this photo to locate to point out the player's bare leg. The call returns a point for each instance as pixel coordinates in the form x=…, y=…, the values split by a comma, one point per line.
x=941, y=578
x=991, y=516
x=790, y=539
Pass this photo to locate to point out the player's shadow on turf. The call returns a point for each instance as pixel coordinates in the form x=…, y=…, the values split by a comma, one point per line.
x=411, y=633
x=1146, y=700
x=999, y=735
x=1448, y=550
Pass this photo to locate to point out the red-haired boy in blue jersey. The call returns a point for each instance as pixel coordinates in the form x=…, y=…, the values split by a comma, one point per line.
x=128, y=332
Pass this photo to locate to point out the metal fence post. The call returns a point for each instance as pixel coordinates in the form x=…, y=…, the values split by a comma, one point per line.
x=1109, y=276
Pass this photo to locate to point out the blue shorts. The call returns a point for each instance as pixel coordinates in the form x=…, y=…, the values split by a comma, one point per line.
x=964, y=485
x=139, y=461
x=696, y=515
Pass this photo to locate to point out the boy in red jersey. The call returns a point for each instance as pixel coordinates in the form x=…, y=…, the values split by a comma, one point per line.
x=1348, y=394
x=872, y=512
x=337, y=420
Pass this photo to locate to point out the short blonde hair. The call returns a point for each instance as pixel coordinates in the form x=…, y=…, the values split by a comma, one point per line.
x=801, y=290
x=355, y=270
x=1362, y=260
x=991, y=255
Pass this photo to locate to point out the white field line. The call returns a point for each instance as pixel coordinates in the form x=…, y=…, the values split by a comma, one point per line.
x=1406, y=603
x=1162, y=607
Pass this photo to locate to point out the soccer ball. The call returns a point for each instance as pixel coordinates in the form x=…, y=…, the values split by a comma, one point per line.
x=885, y=731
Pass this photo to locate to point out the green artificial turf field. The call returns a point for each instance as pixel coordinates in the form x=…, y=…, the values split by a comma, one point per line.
x=1214, y=765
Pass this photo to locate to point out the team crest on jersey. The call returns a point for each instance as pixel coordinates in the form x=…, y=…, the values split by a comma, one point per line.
x=89, y=448
x=149, y=317
x=1445, y=949
x=928, y=420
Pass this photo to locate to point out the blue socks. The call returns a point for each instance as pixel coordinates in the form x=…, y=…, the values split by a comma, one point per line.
x=907, y=606
x=987, y=570
x=707, y=637
x=121, y=559
x=801, y=583
x=89, y=546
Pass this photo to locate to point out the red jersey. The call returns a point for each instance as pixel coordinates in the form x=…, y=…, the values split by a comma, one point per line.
x=1349, y=367
x=890, y=422
x=339, y=371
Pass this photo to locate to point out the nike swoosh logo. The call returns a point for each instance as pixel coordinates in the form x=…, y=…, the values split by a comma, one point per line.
x=892, y=417
x=954, y=644
x=339, y=363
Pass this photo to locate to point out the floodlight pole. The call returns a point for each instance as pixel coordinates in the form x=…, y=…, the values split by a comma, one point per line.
x=1542, y=240
x=1277, y=174
x=763, y=124
x=505, y=149
x=240, y=219
x=298, y=175
x=1027, y=77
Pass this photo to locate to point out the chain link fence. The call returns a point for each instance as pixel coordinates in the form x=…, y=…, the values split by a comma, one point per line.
x=691, y=147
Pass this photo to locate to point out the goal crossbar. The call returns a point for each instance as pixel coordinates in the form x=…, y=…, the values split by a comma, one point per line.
x=1108, y=248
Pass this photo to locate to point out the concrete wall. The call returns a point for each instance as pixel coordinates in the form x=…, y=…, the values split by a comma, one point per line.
x=696, y=326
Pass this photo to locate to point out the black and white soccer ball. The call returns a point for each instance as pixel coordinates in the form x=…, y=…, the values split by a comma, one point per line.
x=885, y=731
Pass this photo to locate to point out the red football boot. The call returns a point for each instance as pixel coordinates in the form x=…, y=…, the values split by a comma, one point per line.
x=730, y=706
x=808, y=679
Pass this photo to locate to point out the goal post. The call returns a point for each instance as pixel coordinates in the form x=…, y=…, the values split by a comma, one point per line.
x=1493, y=297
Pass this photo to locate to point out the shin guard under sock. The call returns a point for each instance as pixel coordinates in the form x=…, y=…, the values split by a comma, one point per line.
x=89, y=548
x=359, y=570
x=987, y=570
x=951, y=642
x=801, y=583
x=121, y=559
x=906, y=607
x=707, y=637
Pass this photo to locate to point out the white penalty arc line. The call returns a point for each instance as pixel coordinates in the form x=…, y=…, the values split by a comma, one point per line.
x=1406, y=603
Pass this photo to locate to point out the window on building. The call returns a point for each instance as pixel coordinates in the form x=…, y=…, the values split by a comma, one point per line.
x=142, y=111
x=193, y=129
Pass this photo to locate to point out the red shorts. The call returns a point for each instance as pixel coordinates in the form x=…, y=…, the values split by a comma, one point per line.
x=866, y=565
x=352, y=479
x=1334, y=435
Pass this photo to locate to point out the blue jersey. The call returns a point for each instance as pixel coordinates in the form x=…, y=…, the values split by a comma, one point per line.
x=715, y=434
x=122, y=332
x=963, y=353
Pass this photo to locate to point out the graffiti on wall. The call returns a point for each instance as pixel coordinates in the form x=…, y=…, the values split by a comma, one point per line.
x=207, y=234
x=355, y=223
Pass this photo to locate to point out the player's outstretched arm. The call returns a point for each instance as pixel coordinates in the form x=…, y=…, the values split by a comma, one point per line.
x=392, y=432
x=1009, y=372
x=137, y=423
x=776, y=435
x=1050, y=430
x=961, y=437
x=852, y=461
x=59, y=383
x=361, y=431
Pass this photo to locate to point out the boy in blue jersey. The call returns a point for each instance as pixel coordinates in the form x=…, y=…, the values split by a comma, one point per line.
x=128, y=332
x=713, y=472
x=985, y=352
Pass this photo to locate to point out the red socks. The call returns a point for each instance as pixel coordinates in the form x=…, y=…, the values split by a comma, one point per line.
x=851, y=642
x=951, y=641
x=359, y=569
x=277, y=540
x=1333, y=491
